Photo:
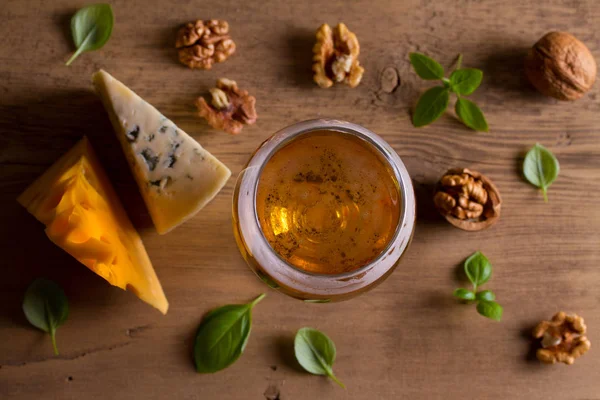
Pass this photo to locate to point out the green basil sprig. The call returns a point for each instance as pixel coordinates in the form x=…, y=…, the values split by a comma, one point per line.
x=222, y=336
x=479, y=270
x=46, y=307
x=433, y=103
x=316, y=353
x=541, y=168
x=91, y=28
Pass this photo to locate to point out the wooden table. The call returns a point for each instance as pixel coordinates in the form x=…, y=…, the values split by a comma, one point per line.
x=408, y=338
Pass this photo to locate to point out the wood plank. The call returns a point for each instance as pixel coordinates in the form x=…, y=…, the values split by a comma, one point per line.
x=405, y=339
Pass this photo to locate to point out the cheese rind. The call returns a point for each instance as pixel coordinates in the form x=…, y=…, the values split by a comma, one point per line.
x=176, y=176
x=84, y=216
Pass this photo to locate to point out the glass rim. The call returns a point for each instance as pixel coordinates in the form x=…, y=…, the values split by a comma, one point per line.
x=347, y=128
x=388, y=155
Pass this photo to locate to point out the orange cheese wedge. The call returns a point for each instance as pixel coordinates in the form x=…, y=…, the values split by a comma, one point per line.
x=84, y=217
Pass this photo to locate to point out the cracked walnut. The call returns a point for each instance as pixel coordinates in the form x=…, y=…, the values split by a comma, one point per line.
x=563, y=339
x=335, y=57
x=230, y=108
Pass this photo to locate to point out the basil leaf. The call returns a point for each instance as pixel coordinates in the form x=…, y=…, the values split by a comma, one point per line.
x=91, y=28
x=478, y=268
x=464, y=294
x=464, y=81
x=541, y=168
x=431, y=106
x=471, y=115
x=487, y=295
x=490, y=309
x=46, y=307
x=315, y=352
x=222, y=336
x=426, y=67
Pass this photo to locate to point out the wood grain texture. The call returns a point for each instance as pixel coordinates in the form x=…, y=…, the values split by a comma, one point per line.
x=405, y=339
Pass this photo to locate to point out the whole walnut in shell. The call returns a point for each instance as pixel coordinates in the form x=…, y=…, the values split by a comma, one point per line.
x=560, y=66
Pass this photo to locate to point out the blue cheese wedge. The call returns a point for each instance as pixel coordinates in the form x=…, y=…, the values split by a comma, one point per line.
x=175, y=175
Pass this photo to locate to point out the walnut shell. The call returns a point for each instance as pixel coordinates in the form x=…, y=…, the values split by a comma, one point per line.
x=490, y=202
x=561, y=66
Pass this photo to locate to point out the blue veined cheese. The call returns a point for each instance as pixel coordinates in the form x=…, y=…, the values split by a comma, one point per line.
x=175, y=175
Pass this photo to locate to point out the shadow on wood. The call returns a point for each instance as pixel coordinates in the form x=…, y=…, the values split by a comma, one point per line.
x=46, y=130
x=519, y=165
x=534, y=345
x=63, y=20
x=460, y=277
x=285, y=350
x=300, y=44
x=505, y=70
x=168, y=37
x=427, y=214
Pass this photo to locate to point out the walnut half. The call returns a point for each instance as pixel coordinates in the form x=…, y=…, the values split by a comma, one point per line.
x=230, y=108
x=563, y=339
x=335, y=57
x=202, y=43
x=467, y=199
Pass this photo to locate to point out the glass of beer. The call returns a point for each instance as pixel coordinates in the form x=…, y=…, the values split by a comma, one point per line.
x=324, y=210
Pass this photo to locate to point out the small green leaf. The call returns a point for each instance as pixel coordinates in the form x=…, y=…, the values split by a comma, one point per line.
x=431, y=106
x=315, y=352
x=426, y=67
x=471, y=115
x=490, y=309
x=486, y=295
x=91, y=28
x=478, y=268
x=46, y=307
x=541, y=168
x=464, y=81
x=464, y=294
x=222, y=336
